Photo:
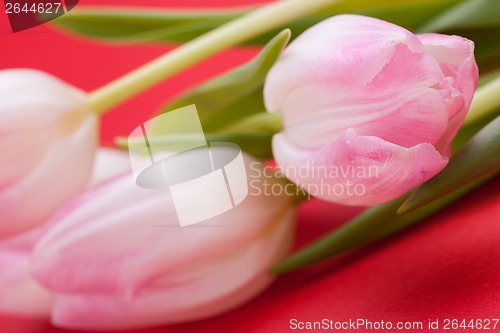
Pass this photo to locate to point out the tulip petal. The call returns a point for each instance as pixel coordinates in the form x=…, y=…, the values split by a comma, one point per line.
x=358, y=170
x=118, y=249
x=119, y=237
x=455, y=56
x=369, y=41
x=34, y=104
x=62, y=173
x=36, y=100
x=216, y=288
x=20, y=294
x=355, y=73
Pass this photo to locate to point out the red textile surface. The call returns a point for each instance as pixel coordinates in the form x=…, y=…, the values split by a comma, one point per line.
x=447, y=267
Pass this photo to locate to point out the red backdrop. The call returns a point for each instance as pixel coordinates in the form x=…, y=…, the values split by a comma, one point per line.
x=447, y=267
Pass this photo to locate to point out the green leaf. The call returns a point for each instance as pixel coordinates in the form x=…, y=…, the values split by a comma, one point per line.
x=236, y=95
x=486, y=46
x=141, y=25
x=162, y=25
x=372, y=225
x=484, y=109
x=257, y=144
x=468, y=14
x=477, y=20
x=479, y=157
x=259, y=122
x=409, y=14
x=467, y=132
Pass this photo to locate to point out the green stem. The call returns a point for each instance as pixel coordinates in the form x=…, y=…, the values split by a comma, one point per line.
x=263, y=121
x=246, y=27
x=486, y=100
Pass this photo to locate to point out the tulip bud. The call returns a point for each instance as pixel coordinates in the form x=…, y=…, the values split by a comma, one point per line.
x=369, y=109
x=47, y=141
x=119, y=249
x=20, y=294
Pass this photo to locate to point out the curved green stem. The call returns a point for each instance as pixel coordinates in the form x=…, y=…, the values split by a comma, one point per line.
x=486, y=100
x=232, y=33
x=264, y=121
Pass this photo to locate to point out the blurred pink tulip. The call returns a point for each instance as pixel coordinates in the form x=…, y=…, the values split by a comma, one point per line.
x=117, y=258
x=368, y=105
x=47, y=141
x=20, y=294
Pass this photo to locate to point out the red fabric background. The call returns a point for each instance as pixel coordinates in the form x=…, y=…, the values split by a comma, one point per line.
x=447, y=267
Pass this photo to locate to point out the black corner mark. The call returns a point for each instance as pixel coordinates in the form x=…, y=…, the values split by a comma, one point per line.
x=70, y=4
x=26, y=14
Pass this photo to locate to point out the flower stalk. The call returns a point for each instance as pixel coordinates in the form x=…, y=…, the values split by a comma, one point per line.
x=486, y=100
x=244, y=28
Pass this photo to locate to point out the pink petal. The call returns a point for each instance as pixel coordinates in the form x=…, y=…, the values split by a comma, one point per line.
x=455, y=55
x=20, y=294
x=62, y=173
x=33, y=100
x=348, y=49
x=214, y=287
x=352, y=71
x=358, y=170
x=33, y=106
x=119, y=238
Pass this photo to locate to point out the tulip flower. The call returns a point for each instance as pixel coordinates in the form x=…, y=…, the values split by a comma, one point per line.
x=369, y=109
x=47, y=141
x=117, y=258
x=20, y=294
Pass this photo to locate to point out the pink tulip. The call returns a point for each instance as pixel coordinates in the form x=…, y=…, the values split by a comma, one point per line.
x=47, y=142
x=117, y=258
x=20, y=293
x=369, y=109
